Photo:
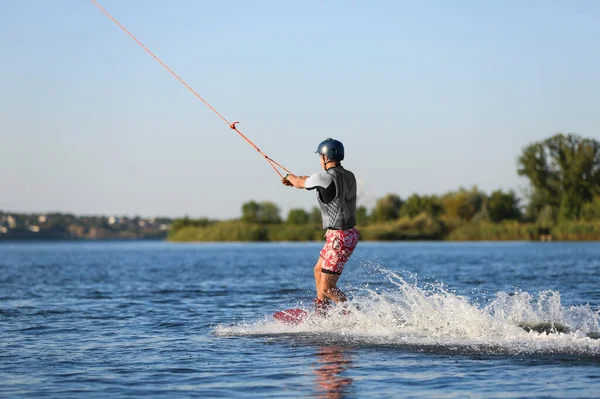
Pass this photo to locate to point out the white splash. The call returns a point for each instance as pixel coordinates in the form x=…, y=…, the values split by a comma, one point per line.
x=408, y=314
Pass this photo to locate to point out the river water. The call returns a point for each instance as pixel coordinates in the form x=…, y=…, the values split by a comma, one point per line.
x=155, y=319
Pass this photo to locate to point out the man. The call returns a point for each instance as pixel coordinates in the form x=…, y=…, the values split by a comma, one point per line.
x=336, y=195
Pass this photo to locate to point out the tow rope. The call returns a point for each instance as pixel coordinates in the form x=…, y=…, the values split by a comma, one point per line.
x=232, y=125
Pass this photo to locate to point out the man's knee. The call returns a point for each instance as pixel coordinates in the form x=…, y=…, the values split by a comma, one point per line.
x=318, y=266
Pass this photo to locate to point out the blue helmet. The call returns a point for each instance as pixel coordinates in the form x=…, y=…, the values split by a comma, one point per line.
x=332, y=149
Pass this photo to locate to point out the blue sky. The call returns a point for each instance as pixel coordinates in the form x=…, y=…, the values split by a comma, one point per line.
x=426, y=95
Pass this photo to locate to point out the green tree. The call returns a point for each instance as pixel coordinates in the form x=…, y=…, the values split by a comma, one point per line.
x=547, y=217
x=411, y=207
x=362, y=216
x=483, y=215
x=564, y=172
x=534, y=163
x=463, y=204
x=315, y=216
x=180, y=223
x=416, y=205
x=503, y=206
x=591, y=211
x=298, y=217
x=432, y=205
x=251, y=212
x=386, y=208
x=269, y=213
x=265, y=212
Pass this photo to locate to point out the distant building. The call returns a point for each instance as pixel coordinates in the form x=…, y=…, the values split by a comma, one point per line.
x=58, y=225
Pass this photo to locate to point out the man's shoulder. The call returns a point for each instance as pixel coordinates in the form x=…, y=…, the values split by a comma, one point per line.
x=346, y=171
x=322, y=179
x=321, y=175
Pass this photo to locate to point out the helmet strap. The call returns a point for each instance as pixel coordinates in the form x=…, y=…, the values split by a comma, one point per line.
x=325, y=162
x=328, y=161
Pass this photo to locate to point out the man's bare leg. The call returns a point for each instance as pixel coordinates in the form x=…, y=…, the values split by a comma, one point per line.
x=320, y=294
x=329, y=288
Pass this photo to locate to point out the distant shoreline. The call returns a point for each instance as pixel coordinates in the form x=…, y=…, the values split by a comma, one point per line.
x=416, y=229
x=68, y=227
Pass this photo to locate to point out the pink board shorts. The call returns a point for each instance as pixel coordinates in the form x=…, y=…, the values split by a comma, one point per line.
x=339, y=245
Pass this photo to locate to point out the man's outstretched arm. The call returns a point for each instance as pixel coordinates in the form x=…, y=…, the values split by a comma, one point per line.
x=292, y=180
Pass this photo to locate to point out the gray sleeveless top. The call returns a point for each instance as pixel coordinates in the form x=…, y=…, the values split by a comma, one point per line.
x=340, y=212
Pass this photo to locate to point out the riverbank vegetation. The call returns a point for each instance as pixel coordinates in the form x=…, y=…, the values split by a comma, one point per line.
x=563, y=203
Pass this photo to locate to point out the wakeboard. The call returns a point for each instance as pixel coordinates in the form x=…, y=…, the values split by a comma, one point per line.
x=291, y=316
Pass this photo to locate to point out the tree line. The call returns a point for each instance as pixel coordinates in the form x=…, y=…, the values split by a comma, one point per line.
x=564, y=190
x=464, y=204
